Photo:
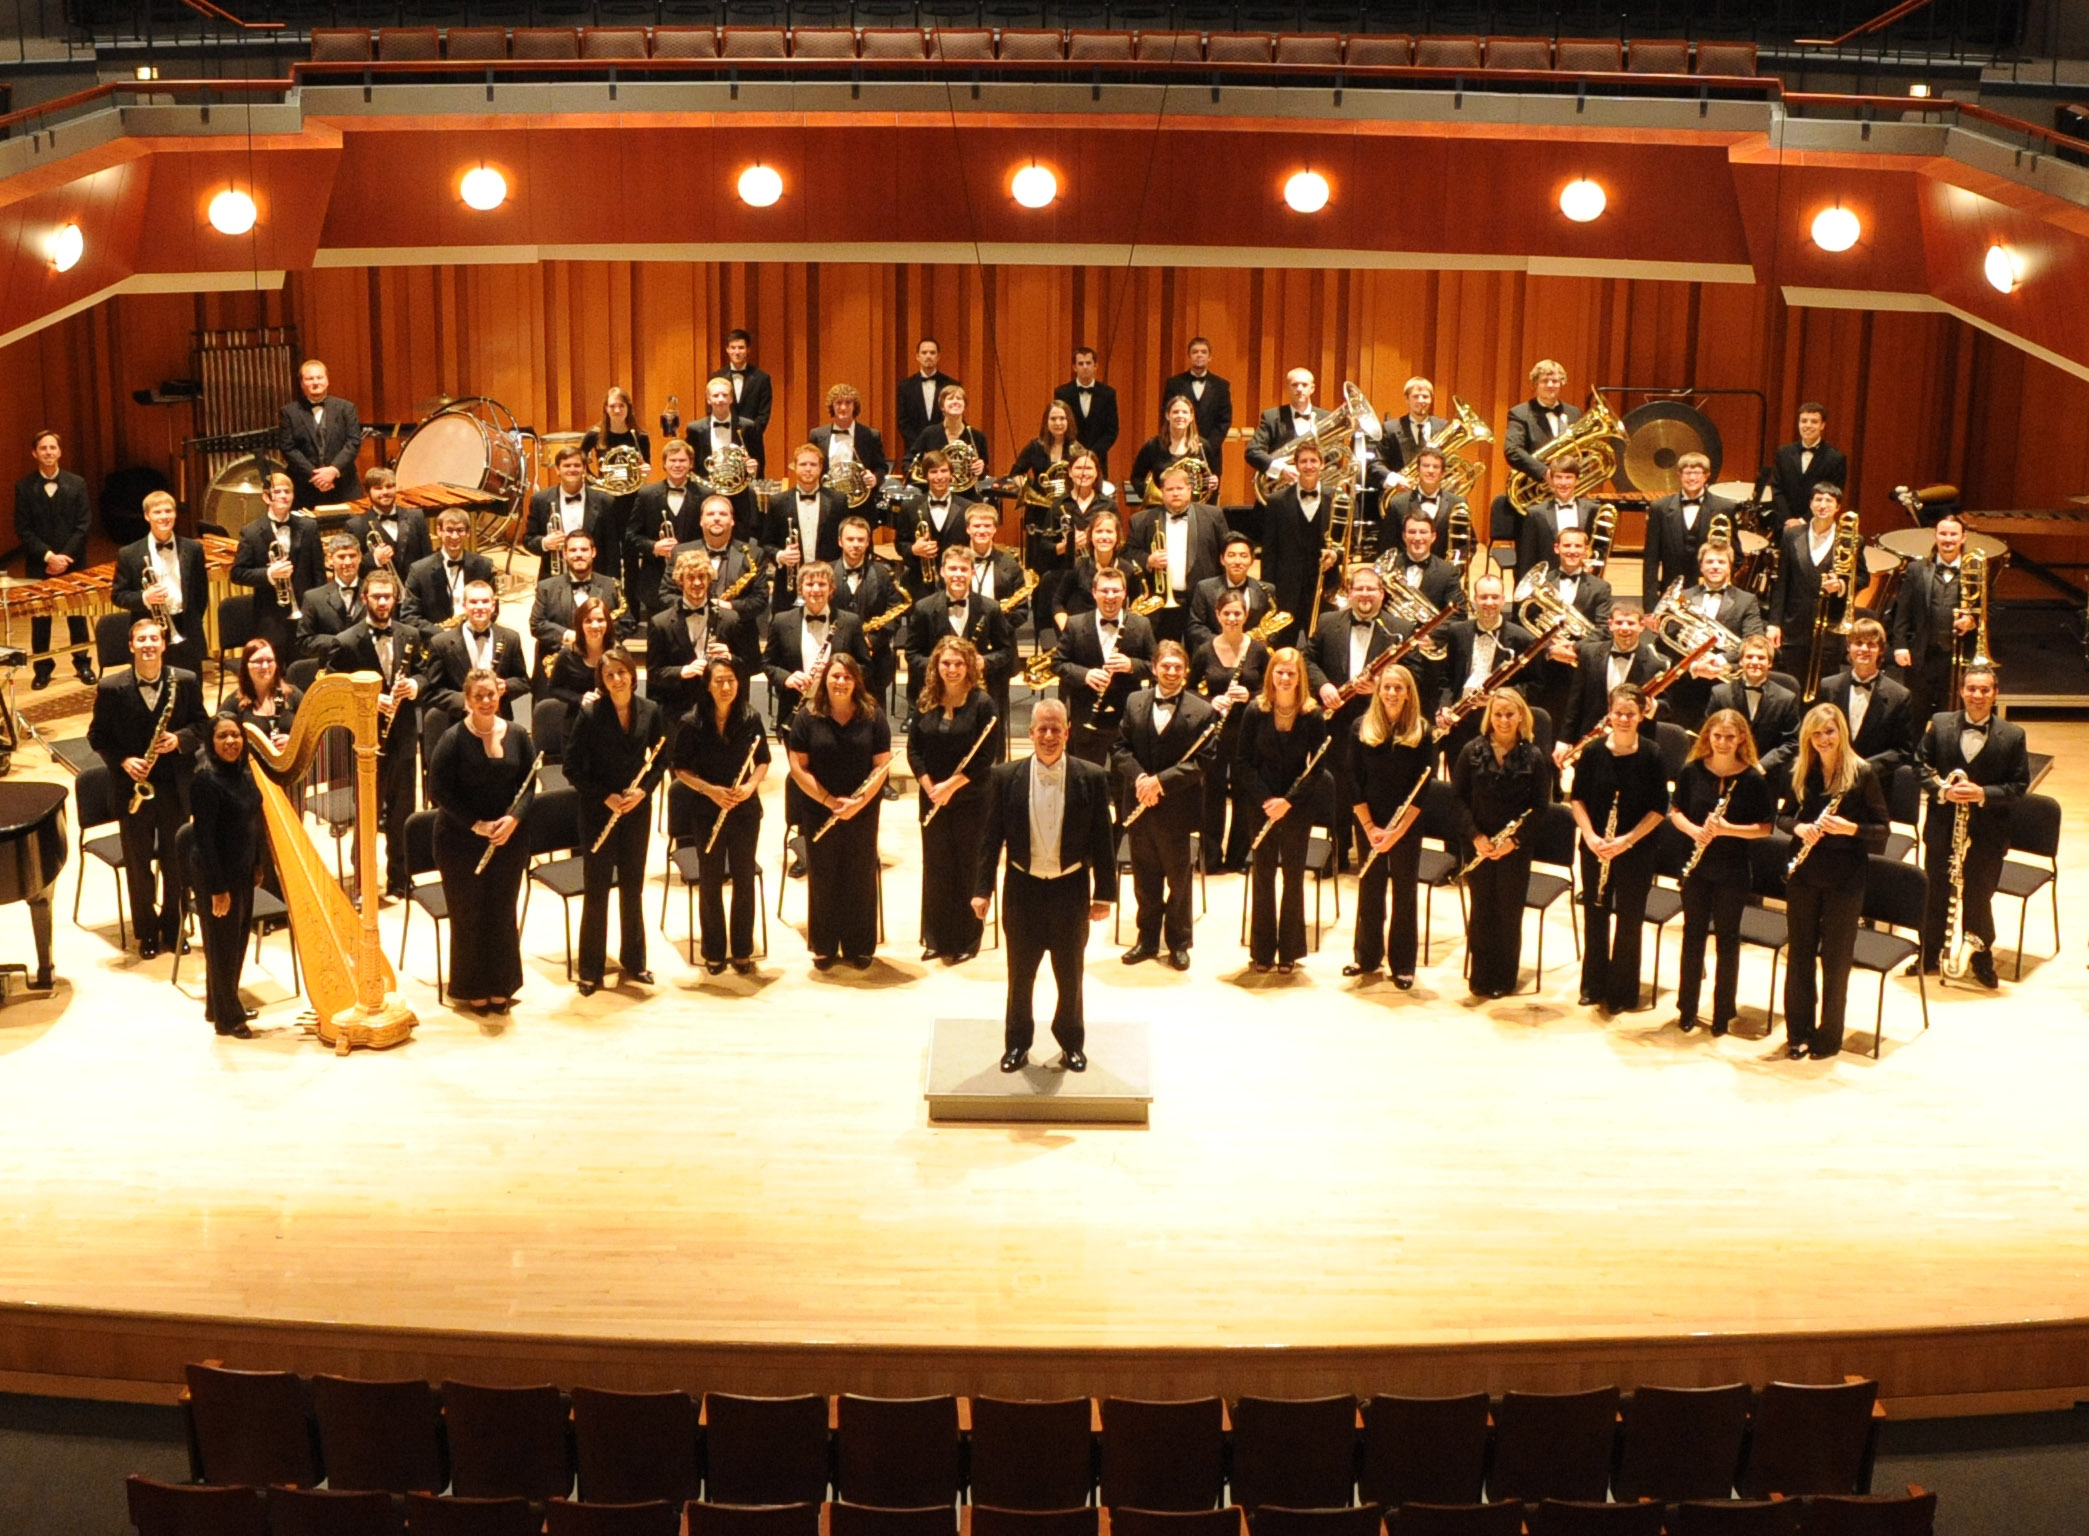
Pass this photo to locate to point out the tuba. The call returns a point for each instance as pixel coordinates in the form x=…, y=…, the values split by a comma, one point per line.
x=1588, y=441
x=1683, y=630
x=1333, y=434
x=619, y=471
x=1539, y=607
x=729, y=471
x=1461, y=474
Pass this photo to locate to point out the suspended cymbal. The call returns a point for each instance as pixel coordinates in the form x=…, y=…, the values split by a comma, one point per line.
x=560, y=438
x=1656, y=435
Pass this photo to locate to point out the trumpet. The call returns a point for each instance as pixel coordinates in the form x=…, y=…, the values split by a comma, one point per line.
x=1587, y=442
x=1971, y=650
x=1160, y=590
x=1538, y=606
x=1842, y=565
x=1684, y=630
x=619, y=471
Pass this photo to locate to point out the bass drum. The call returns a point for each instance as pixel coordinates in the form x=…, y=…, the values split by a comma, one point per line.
x=473, y=445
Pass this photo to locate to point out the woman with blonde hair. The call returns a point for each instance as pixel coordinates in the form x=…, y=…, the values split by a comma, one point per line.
x=1721, y=802
x=1839, y=819
x=953, y=715
x=1282, y=732
x=1392, y=754
x=1500, y=778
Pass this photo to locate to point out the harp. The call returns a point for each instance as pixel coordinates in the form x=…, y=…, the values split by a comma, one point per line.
x=346, y=975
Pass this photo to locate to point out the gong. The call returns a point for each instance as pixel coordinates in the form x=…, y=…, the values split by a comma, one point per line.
x=1656, y=435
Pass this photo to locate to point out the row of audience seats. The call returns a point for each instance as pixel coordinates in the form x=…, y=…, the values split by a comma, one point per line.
x=1666, y=1444
x=1663, y=56
x=161, y=1509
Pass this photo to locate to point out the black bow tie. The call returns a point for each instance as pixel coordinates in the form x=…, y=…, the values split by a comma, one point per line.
x=1855, y=685
x=381, y=634
x=455, y=565
x=165, y=549
x=1693, y=502
x=1978, y=730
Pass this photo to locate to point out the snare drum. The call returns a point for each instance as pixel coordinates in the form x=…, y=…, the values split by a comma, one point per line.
x=1882, y=568
x=463, y=445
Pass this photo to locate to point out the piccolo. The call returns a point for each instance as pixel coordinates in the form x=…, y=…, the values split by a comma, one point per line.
x=746, y=769
x=963, y=763
x=1297, y=784
x=1412, y=796
x=514, y=809
x=833, y=819
x=644, y=768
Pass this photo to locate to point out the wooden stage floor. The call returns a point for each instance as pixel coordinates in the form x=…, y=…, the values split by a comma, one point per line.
x=727, y=1183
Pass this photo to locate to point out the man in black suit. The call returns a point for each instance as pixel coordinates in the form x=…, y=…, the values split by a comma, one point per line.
x=1773, y=711
x=1881, y=716
x=1407, y=435
x=1210, y=394
x=753, y=395
x=686, y=637
x=335, y=604
x=804, y=524
x=278, y=556
x=571, y=506
x=1338, y=656
x=1805, y=464
x=804, y=638
x=1104, y=654
x=1414, y=563
x=1552, y=676
x=1806, y=574
x=864, y=586
x=664, y=514
x=1970, y=757
x=319, y=437
x=1626, y=655
x=1155, y=768
x=730, y=560
x=401, y=532
x=1435, y=501
x=556, y=597
x=1473, y=649
x=997, y=575
x=1677, y=525
x=933, y=525
x=435, y=584
x=1093, y=405
x=1283, y=427
x=135, y=717
x=846, y=440
x=1717, y=598
x=957, y=610
x=52, y=520
x=920, y=393
x=1548, y=519
x=165, y=572
x=1182, y=544
x=1532, y=424
x=1295, y=552
x=1236, y=555
x=1051, y=811
x=1928, y=620
x=477, y=642
x=382, y=642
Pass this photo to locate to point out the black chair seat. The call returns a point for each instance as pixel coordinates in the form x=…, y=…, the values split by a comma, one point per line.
x=564, y=878
x=1898, y=846
x=2022, y=880
x=1545, y=890
x=1876, y=951
x=108, y=849
x=74, y=752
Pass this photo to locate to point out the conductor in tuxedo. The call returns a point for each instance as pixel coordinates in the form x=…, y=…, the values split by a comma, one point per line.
x=754, y=395
x=319, y=435
x=52, y=520
x=1211, y=395
x=166, y=572
x=1677, y=525
x=1809, y=462
x=1094, y=407
x=920, y=393
x=1970, y=756
x=1051, y=811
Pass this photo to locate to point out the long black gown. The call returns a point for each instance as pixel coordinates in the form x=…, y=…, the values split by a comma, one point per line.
x=936, y=742
x=841, y=868
x=467, y=786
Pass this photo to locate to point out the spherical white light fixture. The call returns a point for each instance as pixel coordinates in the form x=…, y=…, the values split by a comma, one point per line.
x=232, y=212
x=483, y=188
x=65, y=247
x=760, y=186
x=2003, y=270
x=1583, y=201
x=1836, y=229
x=1035, y=187
x=1306, y=192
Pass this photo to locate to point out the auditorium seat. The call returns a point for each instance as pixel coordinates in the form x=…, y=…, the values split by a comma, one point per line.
x=1378, y=48
x=1098, y=46
x=1574, y=1517
x=1726, y=59
x=1736, y=1517
x=708, y=1519
x=251, y=1427
x=475, y=43
x=507, y=1442
x=1913, y=1513
x=990, y=1521
x=1812, y=1439
x=766, y=1450
x=1239, y=48
x=1032, y=44
x=964, y=45
x=1168, y=47
x=878, y=1520
x=1423, y=1450
x=1299, y=1453
x=194, y=1509
x=754, y=43
x=1310, y=48
x=1659, y=56
x=408, y=45
x=1457, y=1520
x=428, y=1514
x=1128, y=1521
x=894, y=43
x=685, y=43
x=1553, y=1445
x=898, y=1452
x=635, y=1447
x=650, y=1517
x=340, y=45
x=1032, y=1455
x=326, y=1512
x=379, y=1434
x=1519, y=53
x=823, y=43
x=1447, y=52
x=1354, y=1520
x=612, y=42
x=1162, y=1454
x=546, y=43
x=428, y=895
x=1589, y=55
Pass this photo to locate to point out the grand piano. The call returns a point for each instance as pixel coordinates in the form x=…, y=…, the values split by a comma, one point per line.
x=33, y=844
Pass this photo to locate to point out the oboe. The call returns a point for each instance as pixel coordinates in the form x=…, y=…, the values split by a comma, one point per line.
x=1718, y=811
x=1610, y=830
x=514, y=809
x=1297, y=784
x=962, y=764
x=644, y=768
x=834, y=818
x=1412, y=795
x=1834, y=804
x=746, y=770
x=1218, y=722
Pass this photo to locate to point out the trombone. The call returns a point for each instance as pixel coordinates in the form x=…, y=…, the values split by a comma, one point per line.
x=1971, y=649
x=1842, y=565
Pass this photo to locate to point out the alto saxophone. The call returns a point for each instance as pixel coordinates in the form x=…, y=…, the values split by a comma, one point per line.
x=901, y=602
x=753, y=554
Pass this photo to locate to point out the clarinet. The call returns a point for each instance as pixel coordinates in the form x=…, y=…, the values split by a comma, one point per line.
x=514, y=809
x=962, y=764
x=1412, y=796
x=1834, y=804
x=1699, y=851
x=1297, y=784
x=1217, y=724
x=746, y=769
x=142, y=792
x=644, y=768
x=1610, y=830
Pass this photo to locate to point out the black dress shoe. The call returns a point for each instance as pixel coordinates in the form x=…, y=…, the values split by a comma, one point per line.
x=237, y=1032
x=1818, y=1054
x=1013, y=1059
x=589, y=988
x=928, y=954
x=84, y=674
x=501, y=1006
x=1076, y=1061
x=960, y=959
x=1588, y=999
x=796, y=868
x=1179, y=958
x=823, y=962
x=1795, y=1053
x=148, y=949
x=639, y=978
x=1138, y=953
x=1984, y=970
x=1404, y=983
x=1686, y=1023
x=743, y=967
x=860, y=962
x=714, y=967
x=1284, y=967
x=1353, y=969
x=1259, y=967
x=1720, y=1028
x=40, y=682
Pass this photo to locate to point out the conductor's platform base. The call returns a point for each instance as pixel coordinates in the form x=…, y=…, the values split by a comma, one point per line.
x=966, y=1083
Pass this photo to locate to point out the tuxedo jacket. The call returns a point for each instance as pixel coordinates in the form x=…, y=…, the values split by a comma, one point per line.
x=1214, y=410
x=428, y=584
x=594, y=519
x=669, y=649
x=1008, y=580
x=787, y=652
x=1738, y=610
x=1593, y=598
x=934, y=439
x=1541, y=530
x=870, y=448
x=986, y=626
x=446, y=659
x=1086, y=838
x=1291, y=546
x=645, y=573
x=1793, y=486
x=1397, y=447
x=1775, y=724
x=726, y=570
x=250, y=561
x=1798, y=585
x=306, y=447
x=1207, y=542
x=127, y=590
x=874, y=592
x=1589, y=699
x=1096, y=428
x=1395, y=510
x=914, y=414
x=1204, y=607
x=1671, y=548
x=1141, y=748
x=1887, y=738
x=1327, y=652
x=52, y=523
x=757, y=394
x=909, y=516
x=551, y=609
x=1277, y=429
x=122, y=723
x=2002, y=768
x=1441, y=582
x=414, y=542
x=1528, y=431
x=1081, y=652
x=326, y=611
x=1459, y=641
x=1922, y=611
x=780, y=530
x=355, y=650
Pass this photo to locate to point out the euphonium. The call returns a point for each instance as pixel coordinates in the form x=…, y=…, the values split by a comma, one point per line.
x=619, y=471
x=1539, y=607
x=1461, y=474
x=1684, y=629
x=1972, y=598
x=1405, y=602
x=729, y=470
x=1588, y=441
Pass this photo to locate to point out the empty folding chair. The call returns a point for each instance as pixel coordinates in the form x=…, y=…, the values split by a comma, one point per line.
x=765, y=1450
x=507, y=1442
x=635, y=1447
x=1032, y=1455
x=1887, y=1514
x=1356, y=1520
x=1573, y=1517
x=1296, y=1452
x=1553, y=1445
x=1424, y=1450
x=1682, y=1442
x=1128, y=1521
x=897, y=1452
x=380, y=1434
x=194, y=1509
x=649, y=1517
x=1811, y=1439
x=429, y=1514
x=876, y=1520
x=325, y=1512
x=251, y=1427
x=989, y=1521
x=1457, y=1520
x=2034, y=830
x=754, y=1519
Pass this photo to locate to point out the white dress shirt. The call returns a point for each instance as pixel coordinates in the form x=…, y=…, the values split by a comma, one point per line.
x=1047, y=816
